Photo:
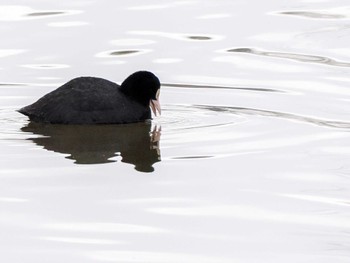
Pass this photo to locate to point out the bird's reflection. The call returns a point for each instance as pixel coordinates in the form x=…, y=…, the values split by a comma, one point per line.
x=94, y=144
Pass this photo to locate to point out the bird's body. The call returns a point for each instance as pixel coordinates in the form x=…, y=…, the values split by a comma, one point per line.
x=90, y=100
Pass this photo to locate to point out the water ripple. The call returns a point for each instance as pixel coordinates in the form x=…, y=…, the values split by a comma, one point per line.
x=192, y=157
x=46, y=66
x=18, y=13
x=52, y=13
x=179, y=36
x=317, y=15
x=122, y=53
x=13, y=84
x=268, y=113
x=200, y=86
x=189, y=117
x=293, y=56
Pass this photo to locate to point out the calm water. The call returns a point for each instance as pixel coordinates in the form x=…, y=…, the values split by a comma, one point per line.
x=249, y=162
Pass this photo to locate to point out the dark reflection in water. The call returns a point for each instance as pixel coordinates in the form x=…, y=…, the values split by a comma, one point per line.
x=123, y=52
x=298, y=57
x=199, y=37
x=13, y=84
x=96, y=144
x=53, y=13
x=313, y=14
x=193, y=157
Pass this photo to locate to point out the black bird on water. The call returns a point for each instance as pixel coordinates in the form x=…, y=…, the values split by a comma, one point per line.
x=90, y=100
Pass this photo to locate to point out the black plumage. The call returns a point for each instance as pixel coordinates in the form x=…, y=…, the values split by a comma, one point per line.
x=91, y=100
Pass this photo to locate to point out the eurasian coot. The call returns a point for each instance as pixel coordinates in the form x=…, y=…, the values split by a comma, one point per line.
x=90, y=100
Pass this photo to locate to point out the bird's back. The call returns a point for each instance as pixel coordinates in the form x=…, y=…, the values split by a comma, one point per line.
x=86, y=100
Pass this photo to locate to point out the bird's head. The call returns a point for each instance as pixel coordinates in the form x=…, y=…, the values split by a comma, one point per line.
x=143, y=87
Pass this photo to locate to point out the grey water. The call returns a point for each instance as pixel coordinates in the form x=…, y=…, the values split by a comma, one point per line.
x=249, y=162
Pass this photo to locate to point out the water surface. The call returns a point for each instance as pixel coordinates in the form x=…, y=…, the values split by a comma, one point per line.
x=249, y=161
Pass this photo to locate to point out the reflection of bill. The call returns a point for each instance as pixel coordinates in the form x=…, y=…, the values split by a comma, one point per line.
x=94, y=144
x=155, y=139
